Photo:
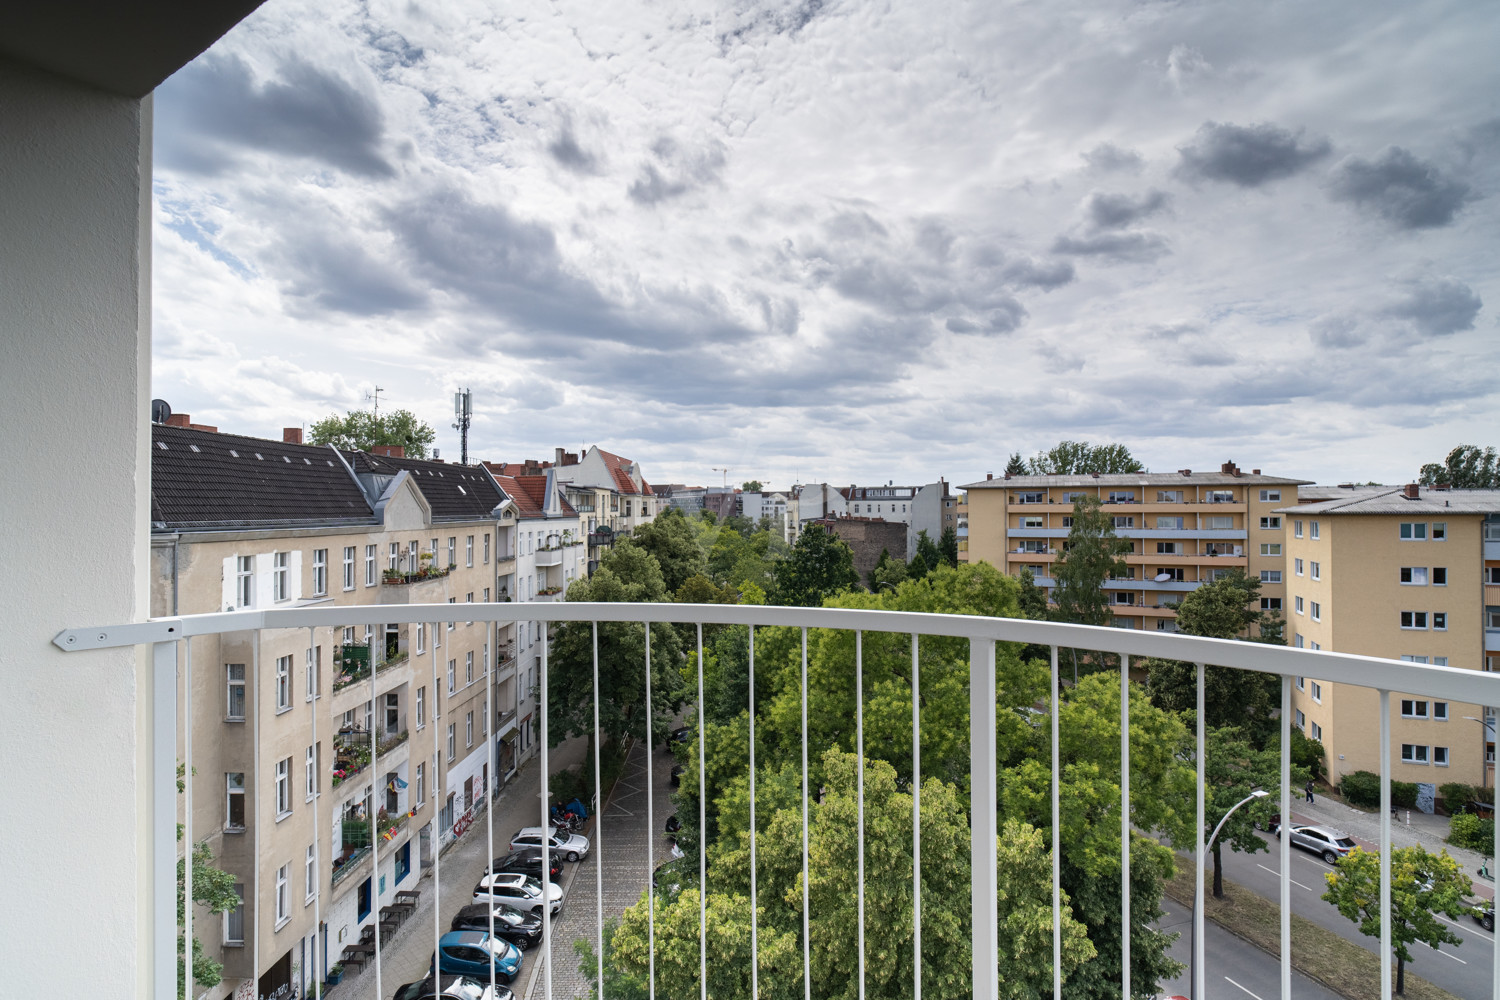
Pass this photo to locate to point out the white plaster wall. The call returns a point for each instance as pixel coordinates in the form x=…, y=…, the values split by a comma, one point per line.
x=74, y=395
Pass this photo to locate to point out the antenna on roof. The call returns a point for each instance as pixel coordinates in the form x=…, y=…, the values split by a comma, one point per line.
x=463, y=413
x=375, y=396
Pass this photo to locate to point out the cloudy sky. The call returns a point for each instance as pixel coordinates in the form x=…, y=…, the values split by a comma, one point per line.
x=845, y=241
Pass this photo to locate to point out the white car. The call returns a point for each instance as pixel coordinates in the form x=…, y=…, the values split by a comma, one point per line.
x=567, y=845
x=521, y=891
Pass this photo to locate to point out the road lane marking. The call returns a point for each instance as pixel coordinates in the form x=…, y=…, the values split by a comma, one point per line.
x=1231, y=982
x=1446, y=955
x=1473, y=926
x=1278, y=875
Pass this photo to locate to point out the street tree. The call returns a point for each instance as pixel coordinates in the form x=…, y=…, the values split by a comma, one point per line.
x=948, y=546
x=1423, y=886
x=1466, y=468
x=820, y=565
x=1073, y=458
x=674, y=542
x=1232, y=769
x=358, y=430
x=1091, y=555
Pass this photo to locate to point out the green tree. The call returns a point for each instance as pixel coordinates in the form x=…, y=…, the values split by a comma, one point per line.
x=1423, y=885
x=887, y=571
x=818, y=566
x=1016, y=466
x=213, y=888
x=1033, y=599
x=1232, y=769
x=1465, y=468
x=673, y=541
x=948, y=546
x=752, y=486
x=918, y=567
x=361, y=431
x=1073, y=458
x=699, y=589
x=1091, y=555
x=928, y=551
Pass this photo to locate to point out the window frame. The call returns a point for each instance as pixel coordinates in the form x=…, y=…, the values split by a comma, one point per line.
x=1315, y=569
x=244, y=584
x=349, y=554
x=1271, y=522
x=421, y=707
x=1438, y=752
x=231, y=789
x=1315, y=611
x=1414, y=621
x=281, y=572
x=320, y=572
x=310, y=872
x=1412, y=531
x=1270, y=548
x=1408, y=576
x=1268, y=575
x=283, y=683
x=1296, y=529
x=231, y=683
x=281, y=798
x=1314, y=529
x=371, y=577
x=283, y=895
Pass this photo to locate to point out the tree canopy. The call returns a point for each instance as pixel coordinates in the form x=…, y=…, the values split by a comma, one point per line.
x=1016, y=465
x=359, y=430
x=673, y=541
x=818, y=566
x=752, y=486
x=1465, y=468
x=1068, y=458
x=1091, y=555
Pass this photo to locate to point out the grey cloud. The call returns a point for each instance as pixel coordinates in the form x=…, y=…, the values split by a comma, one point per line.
x=1248, y=155
x=677, y=171
x=1109, y=158
x=1405, y=191
x=1116, y=211
x=1123, y=247
x=1027, y=272
x=1437, y=307
x=394, y=48
x=214, y=106
x=958, y=325
x=1337, y=332
x=566, y=151
x=1173, y=331
x=935, y=239
x=338, y=274
x=1006, y=314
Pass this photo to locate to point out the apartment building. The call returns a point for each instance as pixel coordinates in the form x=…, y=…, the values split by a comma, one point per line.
x=304, y=740
x=1185, y=529
x=1409, y=573
x=781, y=508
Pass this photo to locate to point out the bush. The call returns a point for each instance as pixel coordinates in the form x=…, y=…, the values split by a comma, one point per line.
x=1403, y=794
x=1469, y=831
x=1456, y=796
x=1361, y=788
x=1307, y=752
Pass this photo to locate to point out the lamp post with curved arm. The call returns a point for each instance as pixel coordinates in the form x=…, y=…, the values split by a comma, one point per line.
x=1197, y=963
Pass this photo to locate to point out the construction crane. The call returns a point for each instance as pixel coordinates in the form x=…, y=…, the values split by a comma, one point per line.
x=726, y=474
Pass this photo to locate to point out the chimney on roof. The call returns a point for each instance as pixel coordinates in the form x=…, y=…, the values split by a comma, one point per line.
x=291, y=435
x=1412, y=491
x=557, y=456
x=1443, y=486
x=390, y=450
x=1254, y=472
x=179, y=420
x=1186, y=472
x=991, y=475
x=1094, y=474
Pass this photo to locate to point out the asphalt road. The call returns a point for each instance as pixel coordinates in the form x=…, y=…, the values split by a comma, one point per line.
x=1235, y=969
x=1463, y=970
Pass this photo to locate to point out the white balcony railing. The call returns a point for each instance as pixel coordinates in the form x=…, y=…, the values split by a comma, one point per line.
x=167, y=635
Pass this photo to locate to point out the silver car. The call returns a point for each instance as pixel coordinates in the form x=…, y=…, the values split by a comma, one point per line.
x=1331, y=844
x=572, y=846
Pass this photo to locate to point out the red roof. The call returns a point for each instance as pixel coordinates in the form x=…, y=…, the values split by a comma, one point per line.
x=616, y=466
x=529, y=494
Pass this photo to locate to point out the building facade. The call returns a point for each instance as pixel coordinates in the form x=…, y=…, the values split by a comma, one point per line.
x=1185, y=529
x=1410, y=573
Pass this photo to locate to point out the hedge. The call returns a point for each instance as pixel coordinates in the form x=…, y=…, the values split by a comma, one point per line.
x=1362, y=788
x=1469, y=831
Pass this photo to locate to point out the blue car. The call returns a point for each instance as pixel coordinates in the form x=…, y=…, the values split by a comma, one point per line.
x=471, y=953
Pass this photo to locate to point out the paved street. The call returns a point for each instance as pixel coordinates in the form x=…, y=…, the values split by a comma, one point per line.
x=1235, y=969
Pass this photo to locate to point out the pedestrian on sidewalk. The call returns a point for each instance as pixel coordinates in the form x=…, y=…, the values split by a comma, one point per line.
x=1309, y=790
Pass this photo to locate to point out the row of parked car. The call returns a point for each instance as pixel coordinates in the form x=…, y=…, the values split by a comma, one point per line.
x=510, y=898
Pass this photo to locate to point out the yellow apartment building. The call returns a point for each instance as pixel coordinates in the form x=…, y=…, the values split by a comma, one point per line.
x=1185, y=529
x=1409, y=573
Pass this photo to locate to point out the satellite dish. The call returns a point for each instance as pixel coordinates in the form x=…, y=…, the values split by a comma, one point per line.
x=160, y=411
x=1162, y=577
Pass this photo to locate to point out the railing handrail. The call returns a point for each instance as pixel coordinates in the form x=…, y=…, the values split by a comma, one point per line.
x=1453, y=683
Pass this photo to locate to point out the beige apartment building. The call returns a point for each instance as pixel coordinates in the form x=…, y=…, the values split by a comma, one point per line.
x=246, y=523
x=1185, y=528
x=1409, y=573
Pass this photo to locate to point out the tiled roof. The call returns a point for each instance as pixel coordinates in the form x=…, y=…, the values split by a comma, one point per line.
x=616, y=466
x=1133, y=479
x=456, y=492
x=1394, y=501
x=530, y=495
x=202, y=480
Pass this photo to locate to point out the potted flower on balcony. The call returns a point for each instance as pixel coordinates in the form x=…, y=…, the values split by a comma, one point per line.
x=335, y=975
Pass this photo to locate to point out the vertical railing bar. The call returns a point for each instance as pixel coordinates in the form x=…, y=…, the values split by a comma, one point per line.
x=187, y=812
x=754, y=893
x=255, y=840
x=702, y=836
x=859, y=763
x=806, y=892
x=1486, y=735
x=1056, y=706
x=546, y=796
x=164, y=818
x=1125, y=925
x=375, y=827
x=984, y=840
x=1385, y=845
x=598, y=845
x=491, y=668
x=650, y=827
x=916, y=822
x=317, y=682
x=1200, y=755
x=1286, y=840
x=437, y=807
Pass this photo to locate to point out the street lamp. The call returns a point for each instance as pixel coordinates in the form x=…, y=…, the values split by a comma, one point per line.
x=1197, y=942
x=1484, y=757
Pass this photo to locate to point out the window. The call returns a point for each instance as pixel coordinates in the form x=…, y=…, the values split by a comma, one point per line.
x=1270, y=548
x=314, y=671
x=1312, y=530
x=1270, y=604
x=1413, y=619
x=1492, y=617
x=452, y=670
x=421, y=637
x=369, y=565
x=1301, y=719
x=451, y=600
x=1124, y=522
x=452, y=747
x=1439, y=531
x=1413, y=753
x=1219, y=496
x=1413, y=531
x=283, y=683
x=1169, y=496
x=1169, y=524
x=395, y=556
x=310, y=873
x=1270, y=496
x=234, y=682
x=1317, y=692
x=1315, y=570
x=1173, y=573
x=348, y=567
x=1121, y=496
x=469, y=729
x=1033, y=496
x=1296, y=529
x=310, y=772
x=1440, y=711
x=1440, y=756
x=1031, y=521
x=1317, y=611
x=1440, y=621
x=1067, y=522
x=244, y=582
x=1413, y=709
x=453, y=550
x=1297, y=567
x=1316, y=731
x=1297, y=605
x=1440, y=576
x=1301, y=683
x=320, y=571
x=1414, y=576
x=1440, y=661
x=1413, y=659
x=281, y=895
x=486, y=548
x=234, y=800
x=280, y=571
x=283, y=788
x=1268, y=523
x=1123, y=597
x=234, y=919
x=421, y=707
x=1168, y=548
x=1266, y=575
x=486, y=595
x=1316, y=645
x=469, y=551
x=469, y=667
x=421, y=795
